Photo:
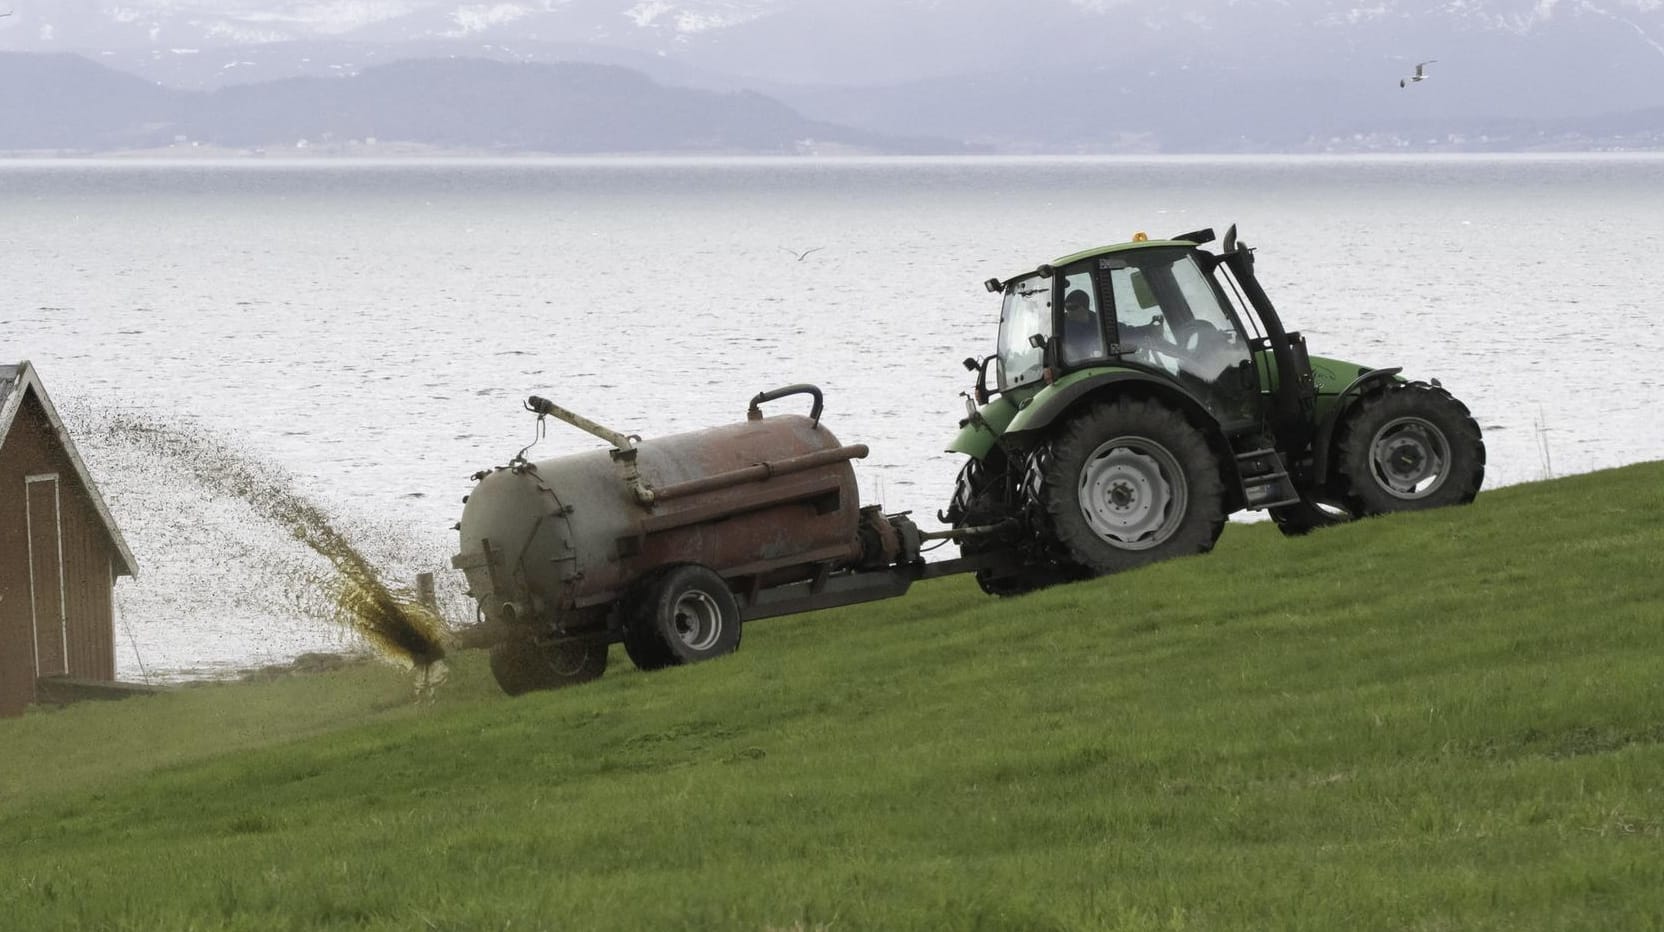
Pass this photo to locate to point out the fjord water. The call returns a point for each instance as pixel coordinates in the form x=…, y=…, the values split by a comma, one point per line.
x=369, y=329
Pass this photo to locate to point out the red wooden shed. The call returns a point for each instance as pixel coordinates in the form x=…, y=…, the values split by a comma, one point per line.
x=60, y=551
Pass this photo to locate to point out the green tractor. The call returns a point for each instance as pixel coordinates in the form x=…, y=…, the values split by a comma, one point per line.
x=1142, y=392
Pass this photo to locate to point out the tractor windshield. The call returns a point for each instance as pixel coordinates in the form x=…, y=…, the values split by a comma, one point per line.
x=1027, y=313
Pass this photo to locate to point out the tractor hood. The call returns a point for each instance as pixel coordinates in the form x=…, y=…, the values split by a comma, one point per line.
x=1330, y=376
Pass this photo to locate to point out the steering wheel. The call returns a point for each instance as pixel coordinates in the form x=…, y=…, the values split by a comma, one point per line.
x=1192, y=334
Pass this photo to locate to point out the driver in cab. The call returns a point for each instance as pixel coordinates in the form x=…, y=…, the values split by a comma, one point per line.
x=1082, y=337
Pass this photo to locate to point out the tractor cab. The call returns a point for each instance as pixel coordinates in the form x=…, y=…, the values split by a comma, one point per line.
x=1165, y=310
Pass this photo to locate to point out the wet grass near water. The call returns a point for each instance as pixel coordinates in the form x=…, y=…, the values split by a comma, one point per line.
x=1442, y=721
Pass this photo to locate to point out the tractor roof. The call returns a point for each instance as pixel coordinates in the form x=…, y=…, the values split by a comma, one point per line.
x=1107, y=250
x=1121, y=247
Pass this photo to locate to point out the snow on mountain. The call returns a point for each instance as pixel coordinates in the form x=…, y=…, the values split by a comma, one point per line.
x=689, y=19
x=668, y=25
x=89, y=23
x=482, y=17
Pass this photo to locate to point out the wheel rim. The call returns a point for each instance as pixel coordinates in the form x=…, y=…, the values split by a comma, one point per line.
x=697, y=620
x=1410, y=458
x=1133, y=493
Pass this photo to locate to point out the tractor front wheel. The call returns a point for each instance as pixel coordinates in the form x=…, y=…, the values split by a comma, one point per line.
x=1408, y=448
x=1129, y=483
x=683, y=614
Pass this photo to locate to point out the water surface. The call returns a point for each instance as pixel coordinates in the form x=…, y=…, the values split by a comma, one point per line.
x=371, y=328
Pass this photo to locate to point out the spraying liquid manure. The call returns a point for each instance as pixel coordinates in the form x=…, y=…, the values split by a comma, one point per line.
x=393, y=622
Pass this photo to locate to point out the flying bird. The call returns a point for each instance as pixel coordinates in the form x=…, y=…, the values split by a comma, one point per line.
x=805, y=253
x=1420, y=75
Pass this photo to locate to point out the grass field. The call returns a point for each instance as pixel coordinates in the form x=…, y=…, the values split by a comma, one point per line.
x=1441, y=721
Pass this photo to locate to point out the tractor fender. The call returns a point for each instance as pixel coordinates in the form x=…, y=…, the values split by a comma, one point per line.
x=1344, y=401
x=1082, y=388
x=1067, y=393
x=979, y=432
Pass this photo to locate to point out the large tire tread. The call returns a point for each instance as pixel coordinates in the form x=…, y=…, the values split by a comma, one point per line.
x=980, y=497
x=642, y=643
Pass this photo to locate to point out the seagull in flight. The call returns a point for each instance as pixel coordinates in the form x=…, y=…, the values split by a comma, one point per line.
x=805, y=253
x=1420, y=75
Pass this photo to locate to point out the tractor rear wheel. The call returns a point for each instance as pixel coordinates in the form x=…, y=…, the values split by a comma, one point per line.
x=1129, y=483
x=521, y=665
x=979, y=499
x=682, y=614
x=1408, y=448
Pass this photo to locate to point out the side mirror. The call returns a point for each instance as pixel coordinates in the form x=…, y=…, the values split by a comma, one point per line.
x=994, y=285
x=1037, y=340
x=981, y=370
x=970, y=364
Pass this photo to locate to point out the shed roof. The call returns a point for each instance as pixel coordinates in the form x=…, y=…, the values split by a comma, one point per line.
x=15, y=383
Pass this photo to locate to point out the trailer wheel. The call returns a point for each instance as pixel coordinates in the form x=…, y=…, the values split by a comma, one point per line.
x=520, y=665
x=1129, y=483
x=1408, y=448
x=683, y=614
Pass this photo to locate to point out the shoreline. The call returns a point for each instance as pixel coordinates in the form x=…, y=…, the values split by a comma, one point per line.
x=391, y=156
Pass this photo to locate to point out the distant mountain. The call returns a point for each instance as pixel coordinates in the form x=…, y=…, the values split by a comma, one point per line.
x=209, y=68
x=1196, y=110
x=64, y=102
x=1524, y=48
x=1020, y=75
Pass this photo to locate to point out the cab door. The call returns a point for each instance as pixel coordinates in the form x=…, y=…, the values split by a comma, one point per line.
x=1169, y=315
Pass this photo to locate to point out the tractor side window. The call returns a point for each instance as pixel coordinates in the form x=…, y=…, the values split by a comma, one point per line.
x=1083, y=332
x=1201, y=301
x=1135, y=303
x=1027, y=313
x=1138, y=317
x=1202, y=325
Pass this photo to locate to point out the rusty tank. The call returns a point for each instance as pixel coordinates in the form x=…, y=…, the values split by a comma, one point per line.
x=666, y=544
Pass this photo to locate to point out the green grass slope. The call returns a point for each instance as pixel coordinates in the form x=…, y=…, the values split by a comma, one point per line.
x=1442, y=721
